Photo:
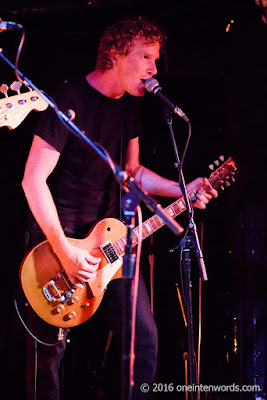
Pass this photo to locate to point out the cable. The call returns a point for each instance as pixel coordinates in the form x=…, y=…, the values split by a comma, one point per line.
x=18, y=56
x=28, y=330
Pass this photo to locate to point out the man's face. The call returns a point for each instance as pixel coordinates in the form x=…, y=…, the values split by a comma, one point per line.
x=139, y=65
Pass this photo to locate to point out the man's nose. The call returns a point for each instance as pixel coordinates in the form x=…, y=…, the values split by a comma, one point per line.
x=152, y=68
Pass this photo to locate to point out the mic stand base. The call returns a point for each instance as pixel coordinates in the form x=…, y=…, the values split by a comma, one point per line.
x=186, y=265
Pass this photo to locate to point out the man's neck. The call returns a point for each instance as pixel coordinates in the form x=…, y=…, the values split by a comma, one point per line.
x=105, y=82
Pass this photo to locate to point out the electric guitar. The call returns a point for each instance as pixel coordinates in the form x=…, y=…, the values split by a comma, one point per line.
x=46, y=285
x=14, y=109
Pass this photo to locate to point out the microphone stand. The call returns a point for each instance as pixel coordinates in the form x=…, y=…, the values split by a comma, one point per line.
x=187, y=243
x=130, y=203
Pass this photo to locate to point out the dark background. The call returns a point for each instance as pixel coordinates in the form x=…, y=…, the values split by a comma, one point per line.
x=219, y=78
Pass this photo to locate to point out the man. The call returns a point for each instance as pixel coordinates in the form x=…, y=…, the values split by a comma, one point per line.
x=68, y=186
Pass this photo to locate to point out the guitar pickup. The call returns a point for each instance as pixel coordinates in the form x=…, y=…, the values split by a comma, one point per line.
x=109, y=252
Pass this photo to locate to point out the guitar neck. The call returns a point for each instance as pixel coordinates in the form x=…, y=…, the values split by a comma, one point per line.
x=153, y=224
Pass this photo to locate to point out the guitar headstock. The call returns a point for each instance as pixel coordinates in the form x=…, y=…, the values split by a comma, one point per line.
x=225, y=173
x=14, y=109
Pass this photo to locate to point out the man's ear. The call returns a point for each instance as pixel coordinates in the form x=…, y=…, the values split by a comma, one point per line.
x=113, y=56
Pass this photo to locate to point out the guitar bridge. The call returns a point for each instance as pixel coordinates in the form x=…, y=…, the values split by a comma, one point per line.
x=59, y=288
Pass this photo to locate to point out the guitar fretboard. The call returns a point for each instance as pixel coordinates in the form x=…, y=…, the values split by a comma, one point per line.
x=151, y=225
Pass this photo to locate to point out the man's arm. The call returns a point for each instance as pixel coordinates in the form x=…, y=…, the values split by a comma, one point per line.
x=41, y=162
x=156, y=185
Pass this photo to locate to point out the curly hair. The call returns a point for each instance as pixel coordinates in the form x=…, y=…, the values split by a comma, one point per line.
x=119, y=37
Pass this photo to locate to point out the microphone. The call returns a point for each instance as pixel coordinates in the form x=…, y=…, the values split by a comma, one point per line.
x=9, y=26
x=152, y=86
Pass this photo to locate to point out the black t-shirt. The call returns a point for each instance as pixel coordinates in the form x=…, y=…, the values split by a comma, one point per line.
x=82, y=184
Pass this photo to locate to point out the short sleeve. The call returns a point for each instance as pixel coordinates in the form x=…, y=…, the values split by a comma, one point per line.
x=49, y=127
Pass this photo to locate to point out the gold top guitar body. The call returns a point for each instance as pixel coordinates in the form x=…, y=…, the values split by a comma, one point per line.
x=45, y=283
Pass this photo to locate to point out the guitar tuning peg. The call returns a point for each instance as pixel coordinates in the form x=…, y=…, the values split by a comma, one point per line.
x=211, y=167
x=227, y=183
x=222, y=187
x=216, y=162
x=15, y=86
x=27, y=85
x=4, y=89
x=221, y=158
x=232, y=179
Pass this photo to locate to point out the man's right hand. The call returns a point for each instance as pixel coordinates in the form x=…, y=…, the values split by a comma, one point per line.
x=79, y=265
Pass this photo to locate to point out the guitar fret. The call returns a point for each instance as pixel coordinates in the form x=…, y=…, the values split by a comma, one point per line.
x=120, y=245
x=153, y=224
x=170, y=211
x=181, y=205
x=135, y=235
x=159, y=221
x=146, y=229
x=117, y=248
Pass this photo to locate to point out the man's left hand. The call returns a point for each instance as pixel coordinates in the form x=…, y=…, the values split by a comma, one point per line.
x=204, y=194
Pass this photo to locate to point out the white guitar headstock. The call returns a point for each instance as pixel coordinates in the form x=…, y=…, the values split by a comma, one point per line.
x=14, y=109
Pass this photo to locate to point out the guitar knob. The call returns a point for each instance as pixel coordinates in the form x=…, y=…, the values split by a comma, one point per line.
x=60, y=308
x=74, y=299
x=72, y=315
